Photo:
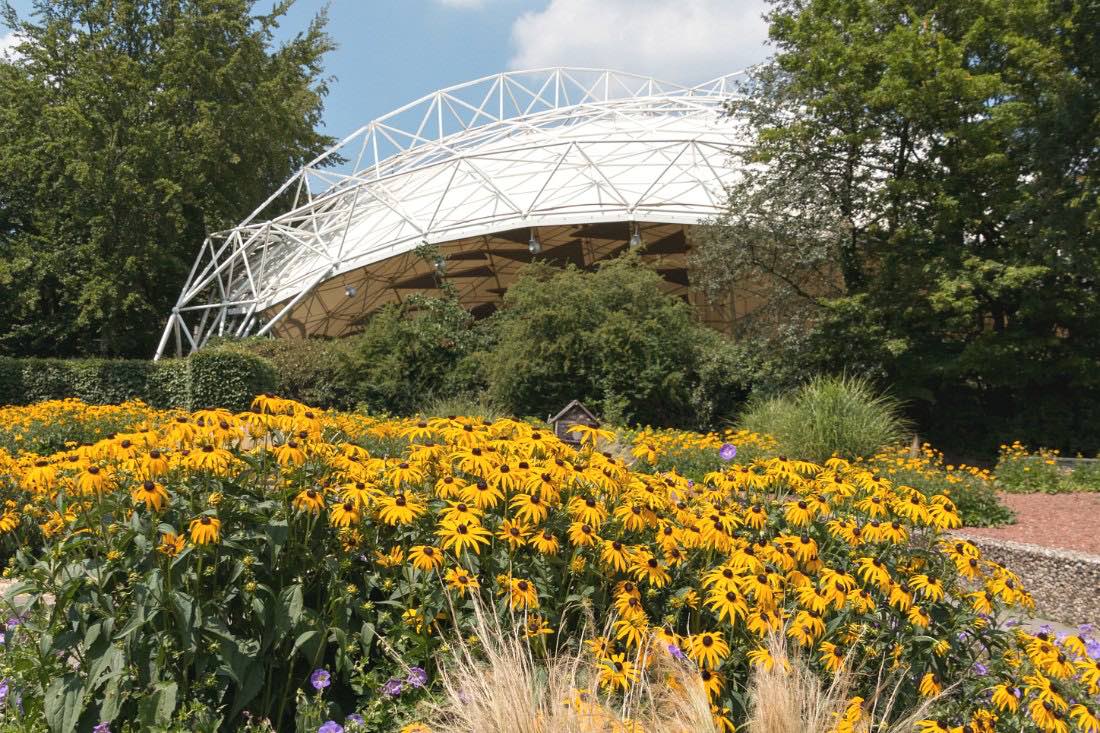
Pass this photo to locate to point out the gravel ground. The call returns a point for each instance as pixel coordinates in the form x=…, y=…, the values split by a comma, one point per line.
x=1066, y=521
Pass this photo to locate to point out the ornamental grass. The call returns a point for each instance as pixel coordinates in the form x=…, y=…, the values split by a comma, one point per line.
x=209, y=570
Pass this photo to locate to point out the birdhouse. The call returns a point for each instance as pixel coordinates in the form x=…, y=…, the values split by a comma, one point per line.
x=572, y=414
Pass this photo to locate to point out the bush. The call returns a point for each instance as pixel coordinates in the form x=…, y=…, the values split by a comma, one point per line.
x=828, y=416
x=312, y=371
x=210, y=378
x=971, y=488
x=413, y=353
x=228, y=379
x=610, y=338
x=1019, y=471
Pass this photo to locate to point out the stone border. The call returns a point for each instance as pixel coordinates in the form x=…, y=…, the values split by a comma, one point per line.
x=1064, y=583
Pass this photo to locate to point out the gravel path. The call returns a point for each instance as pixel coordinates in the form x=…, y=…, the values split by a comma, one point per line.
x=1066, y=521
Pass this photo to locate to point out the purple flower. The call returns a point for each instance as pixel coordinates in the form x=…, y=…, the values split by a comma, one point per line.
x=417, y=677
x=14, y=621
x=980, y=668
x=1046, y=629
x=4, y=687
x=1093, y=648
x=330, y=726
x=355, y=718
x=676, y=652
x=102, y=728
x=1012, y=622
x=1085, y=628
x=393, y=687
x=727, y=452
x=320, y=679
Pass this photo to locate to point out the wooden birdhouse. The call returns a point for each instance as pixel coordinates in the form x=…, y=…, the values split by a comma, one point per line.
x=572, y=414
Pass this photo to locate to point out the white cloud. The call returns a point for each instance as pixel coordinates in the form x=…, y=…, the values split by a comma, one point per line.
x=677, y=40
x=8, y=43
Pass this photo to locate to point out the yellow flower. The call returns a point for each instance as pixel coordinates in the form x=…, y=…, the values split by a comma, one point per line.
x=708, y=648
x=617, y=673
x=205, y=529
x=462, y=536
x=8, y=521
x=400, y=509
x=425, y=558
x=930, y=685
x=522, y=593
x=344, y=515
x=310, y=500
x=461, y=580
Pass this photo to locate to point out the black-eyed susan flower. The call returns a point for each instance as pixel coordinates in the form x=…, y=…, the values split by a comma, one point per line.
x=617, y=673
x=522, y=593
x=461, y=580
x=708, y=648
x=462, y=536
x=151, y=494
x=205, y=529
x=309, y=500
x=425, y=558
x=545, y=542
x=171, y=544
x=344, y=515
x=402, y=508
x=930, y=685
x=513, y=533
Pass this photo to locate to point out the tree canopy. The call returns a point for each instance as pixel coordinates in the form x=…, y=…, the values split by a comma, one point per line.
x=923, y=202
x=129, y=129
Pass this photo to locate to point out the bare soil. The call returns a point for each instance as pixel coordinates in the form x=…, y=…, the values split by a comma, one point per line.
x=1064, y=521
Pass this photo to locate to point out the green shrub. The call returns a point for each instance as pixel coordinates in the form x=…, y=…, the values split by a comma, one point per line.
x=611, y=338
x=169, y=384
x=11, y=381
x=412, y=353
x=1019, y=471
x=312, y=371
x=229, y=379
x=829, y=415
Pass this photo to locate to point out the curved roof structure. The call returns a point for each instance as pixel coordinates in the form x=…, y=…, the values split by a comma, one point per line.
x=563, y=164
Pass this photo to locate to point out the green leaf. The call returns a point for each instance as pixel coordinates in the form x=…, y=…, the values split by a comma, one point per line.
x=112, y=699
x=106, y=665
x=183, y=608
x=306, y=641
x=64, y=703
x=290, y=608
x=156, y=708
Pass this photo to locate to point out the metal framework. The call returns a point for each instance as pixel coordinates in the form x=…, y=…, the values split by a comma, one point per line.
x=581, y=159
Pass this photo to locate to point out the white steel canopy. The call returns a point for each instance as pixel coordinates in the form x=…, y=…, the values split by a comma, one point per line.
x=581, y=159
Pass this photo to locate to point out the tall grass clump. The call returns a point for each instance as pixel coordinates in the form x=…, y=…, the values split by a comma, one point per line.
x=503, y=682
x=828, y=416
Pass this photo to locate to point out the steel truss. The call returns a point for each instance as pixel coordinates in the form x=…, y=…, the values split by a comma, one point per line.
x=469, y=168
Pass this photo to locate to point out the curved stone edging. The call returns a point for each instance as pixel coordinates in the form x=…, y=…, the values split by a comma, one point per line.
x=1064, y=583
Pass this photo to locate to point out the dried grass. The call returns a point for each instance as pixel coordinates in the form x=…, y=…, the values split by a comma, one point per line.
x=498, y=686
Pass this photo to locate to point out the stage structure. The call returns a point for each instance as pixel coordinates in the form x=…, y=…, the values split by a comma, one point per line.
x=469, y=184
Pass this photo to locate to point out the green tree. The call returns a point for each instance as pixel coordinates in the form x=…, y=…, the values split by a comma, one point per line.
x=613, y=339
x=129, y=129
x=925, y=205
x=412, y=353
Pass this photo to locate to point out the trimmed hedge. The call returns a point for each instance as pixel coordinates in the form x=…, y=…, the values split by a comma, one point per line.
x=214, y=378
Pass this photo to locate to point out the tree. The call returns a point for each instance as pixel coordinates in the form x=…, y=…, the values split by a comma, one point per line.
x=129, y=129
x=611, y=338
x=924, y=203
x=413, y=352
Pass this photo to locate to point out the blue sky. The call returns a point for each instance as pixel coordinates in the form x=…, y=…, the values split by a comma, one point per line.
x=391, y=52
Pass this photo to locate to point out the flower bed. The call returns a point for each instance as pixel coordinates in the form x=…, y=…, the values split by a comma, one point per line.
x=212, y=569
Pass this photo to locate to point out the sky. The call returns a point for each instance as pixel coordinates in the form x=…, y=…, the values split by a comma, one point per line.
x=391, y=52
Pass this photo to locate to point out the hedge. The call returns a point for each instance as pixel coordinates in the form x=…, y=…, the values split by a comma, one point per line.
x=213, y=378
